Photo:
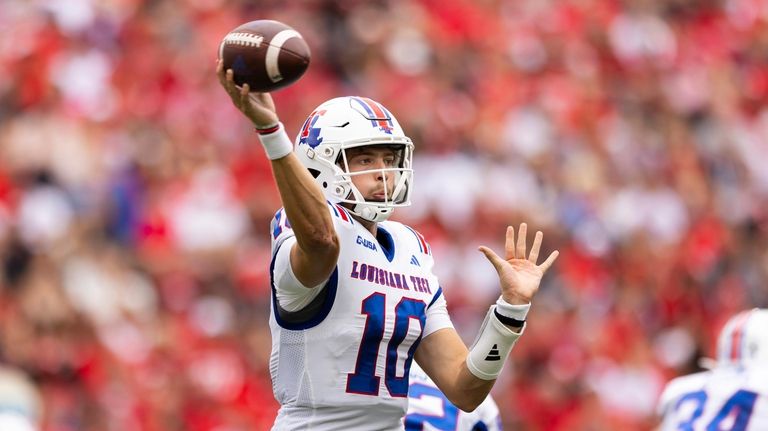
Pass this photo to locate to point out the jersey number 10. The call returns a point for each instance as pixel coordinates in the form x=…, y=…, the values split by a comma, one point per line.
x=364, y=380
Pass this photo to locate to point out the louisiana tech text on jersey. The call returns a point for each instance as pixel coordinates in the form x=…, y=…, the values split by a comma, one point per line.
x=364, y=271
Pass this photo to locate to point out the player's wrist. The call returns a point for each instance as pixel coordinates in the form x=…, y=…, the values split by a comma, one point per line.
x=491, y=347
x=275, y=141
x=511, y=314
x=266, y=129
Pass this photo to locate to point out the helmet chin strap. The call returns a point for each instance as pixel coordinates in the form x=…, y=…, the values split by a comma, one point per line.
x=370, y=214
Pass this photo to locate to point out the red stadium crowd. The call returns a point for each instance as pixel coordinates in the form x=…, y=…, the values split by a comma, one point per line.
x=135, y=202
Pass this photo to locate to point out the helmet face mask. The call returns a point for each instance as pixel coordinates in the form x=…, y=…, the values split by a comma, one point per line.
x=743, y=341
x=346, y=123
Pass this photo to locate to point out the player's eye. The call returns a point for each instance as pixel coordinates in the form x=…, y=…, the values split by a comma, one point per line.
x=361, y=160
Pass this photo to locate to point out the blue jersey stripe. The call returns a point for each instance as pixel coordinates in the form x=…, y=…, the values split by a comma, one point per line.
x=316, y=319
x=437, y=295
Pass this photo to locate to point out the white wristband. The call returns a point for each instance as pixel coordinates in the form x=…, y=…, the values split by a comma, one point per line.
x=512, y=311
x=491, y=347
x=276, y=143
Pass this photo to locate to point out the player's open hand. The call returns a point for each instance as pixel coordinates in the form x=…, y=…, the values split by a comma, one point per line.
x=258, y=107
x=520, y=276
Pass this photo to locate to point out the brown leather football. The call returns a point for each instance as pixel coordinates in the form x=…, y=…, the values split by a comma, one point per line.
x=265, y=54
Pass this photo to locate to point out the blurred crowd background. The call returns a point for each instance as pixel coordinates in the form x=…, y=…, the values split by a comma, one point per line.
x=135, y=200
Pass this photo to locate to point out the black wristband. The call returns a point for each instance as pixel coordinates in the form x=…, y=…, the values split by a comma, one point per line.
x=508, y=320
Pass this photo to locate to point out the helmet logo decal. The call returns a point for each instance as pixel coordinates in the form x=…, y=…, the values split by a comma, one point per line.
x=311, y=135
x=375, y=112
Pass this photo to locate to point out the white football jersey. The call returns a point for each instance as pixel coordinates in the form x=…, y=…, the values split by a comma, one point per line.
x=724, y=398
x=12, y=421
x=341, y=362
x=430, y=410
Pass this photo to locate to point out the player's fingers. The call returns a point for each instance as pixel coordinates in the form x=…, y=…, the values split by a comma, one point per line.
x=496, y=261
x=535, y=247
x=521, y=238
x=241, y=98
x=509, y=243
x=221, y=74
x=550, y=260
x=229, y=84
x=232, y=85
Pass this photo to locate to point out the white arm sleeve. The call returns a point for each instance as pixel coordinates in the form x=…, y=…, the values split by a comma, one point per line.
x=291, y=294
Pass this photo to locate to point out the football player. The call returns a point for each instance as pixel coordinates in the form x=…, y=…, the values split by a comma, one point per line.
x=354, y=297
x=430, y=410
x=731, y=396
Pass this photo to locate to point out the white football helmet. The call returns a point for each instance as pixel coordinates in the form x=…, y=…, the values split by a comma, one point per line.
x=744, y=339
x=349, y=122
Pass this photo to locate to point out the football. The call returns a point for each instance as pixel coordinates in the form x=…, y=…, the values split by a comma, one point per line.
x=265, y=54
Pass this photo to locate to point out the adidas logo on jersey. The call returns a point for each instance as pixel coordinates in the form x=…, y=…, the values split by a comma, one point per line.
x=414, y=261
x=493, y=354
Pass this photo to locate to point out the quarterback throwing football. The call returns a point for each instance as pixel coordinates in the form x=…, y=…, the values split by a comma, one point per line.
x=354, y=297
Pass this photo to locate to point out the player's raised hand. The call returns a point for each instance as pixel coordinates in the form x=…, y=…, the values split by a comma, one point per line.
x=258, y=107
x=520, y=276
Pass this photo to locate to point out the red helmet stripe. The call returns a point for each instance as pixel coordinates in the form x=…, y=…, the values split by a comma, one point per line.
x=738, y=334
x=377, y=111
x=383, y=119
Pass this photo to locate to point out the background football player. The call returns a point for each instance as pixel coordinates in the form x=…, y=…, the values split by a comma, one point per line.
x=734, y=394
x=429, y=409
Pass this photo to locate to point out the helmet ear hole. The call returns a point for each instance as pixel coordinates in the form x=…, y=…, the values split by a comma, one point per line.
x=325, y=185
x=339, y=191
